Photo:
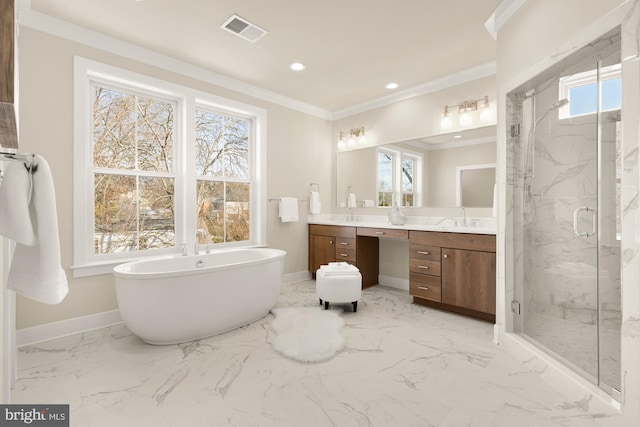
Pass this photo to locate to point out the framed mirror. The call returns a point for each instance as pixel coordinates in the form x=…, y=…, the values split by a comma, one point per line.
x=421, y=172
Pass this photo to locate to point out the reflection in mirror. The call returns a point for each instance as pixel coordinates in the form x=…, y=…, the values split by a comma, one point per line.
x=417, y=173
x=475, y=185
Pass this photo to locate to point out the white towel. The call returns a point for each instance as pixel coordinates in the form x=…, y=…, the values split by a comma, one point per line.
x=35, y=270
x=15, y=195
x=351, y=200
x=288, y=209
x=314, y=202
x=368, y=203
x=339, y=268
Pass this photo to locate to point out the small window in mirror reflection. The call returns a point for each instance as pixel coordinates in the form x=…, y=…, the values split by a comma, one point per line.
x=398, y=179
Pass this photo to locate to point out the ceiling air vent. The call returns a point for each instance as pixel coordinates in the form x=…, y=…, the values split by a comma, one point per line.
x=243, y=28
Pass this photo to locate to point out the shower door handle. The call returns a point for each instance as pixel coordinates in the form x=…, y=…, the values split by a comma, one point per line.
x=593, y=222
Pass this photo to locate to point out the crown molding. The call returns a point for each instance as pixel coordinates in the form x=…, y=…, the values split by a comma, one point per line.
x=505, y=10
x=464, y=76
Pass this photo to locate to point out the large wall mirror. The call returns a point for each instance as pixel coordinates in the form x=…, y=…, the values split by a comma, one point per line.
x=454, y=169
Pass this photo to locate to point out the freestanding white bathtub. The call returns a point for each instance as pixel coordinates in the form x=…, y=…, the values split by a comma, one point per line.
x=169, y=300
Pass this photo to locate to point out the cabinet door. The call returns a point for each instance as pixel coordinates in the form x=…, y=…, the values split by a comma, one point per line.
x=469, y=279
x=322, y=250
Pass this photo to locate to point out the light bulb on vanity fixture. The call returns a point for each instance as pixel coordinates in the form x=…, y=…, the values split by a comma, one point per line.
x=351, y=138
x=466, y=113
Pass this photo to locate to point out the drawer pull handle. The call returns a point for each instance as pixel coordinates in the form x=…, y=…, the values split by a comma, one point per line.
x=380, y=232
x=423, y=252
x=426, y=267
x=423, y=288
x=344, y=243
x=445, y=256
x=345, y=255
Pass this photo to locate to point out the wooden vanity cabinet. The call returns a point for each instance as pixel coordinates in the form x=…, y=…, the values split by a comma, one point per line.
x=454, y=271
x=330, y=243
x=449, y=271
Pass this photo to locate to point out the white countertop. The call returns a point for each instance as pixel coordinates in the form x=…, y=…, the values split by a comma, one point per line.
x=420, y=223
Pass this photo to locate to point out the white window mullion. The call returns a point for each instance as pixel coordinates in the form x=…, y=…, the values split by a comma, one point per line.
x=186, y=200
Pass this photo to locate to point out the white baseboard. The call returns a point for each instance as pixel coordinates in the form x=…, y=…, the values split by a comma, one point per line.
x=393, y=282
x=63, y=328
x=296, y=277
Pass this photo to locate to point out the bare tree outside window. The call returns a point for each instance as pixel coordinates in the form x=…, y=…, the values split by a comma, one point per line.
x=133, y=146
x=222, y=166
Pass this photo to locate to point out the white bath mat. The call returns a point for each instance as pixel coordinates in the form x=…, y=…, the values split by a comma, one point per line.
x=307, y=334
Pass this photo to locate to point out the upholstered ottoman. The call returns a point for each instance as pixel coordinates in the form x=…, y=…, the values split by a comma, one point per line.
x=334, y=286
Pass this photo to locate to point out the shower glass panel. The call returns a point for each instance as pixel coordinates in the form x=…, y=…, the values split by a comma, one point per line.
x=566, y=221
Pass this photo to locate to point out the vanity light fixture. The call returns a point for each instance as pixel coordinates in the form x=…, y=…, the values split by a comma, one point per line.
x=351, y=138
x=465, y=112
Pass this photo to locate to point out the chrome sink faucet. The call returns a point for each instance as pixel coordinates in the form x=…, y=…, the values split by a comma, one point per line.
x=200, y=233
x=464, y=216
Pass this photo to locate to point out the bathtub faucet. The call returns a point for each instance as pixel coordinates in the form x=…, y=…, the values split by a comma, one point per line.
x=199, y=233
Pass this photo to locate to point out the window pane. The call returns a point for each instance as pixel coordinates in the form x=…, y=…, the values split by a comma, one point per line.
x=210, y=209
x=155, y=135
x=611, y=94
x=115, y=214
x=237, y=212
x=583, y=99
x=114, y=126
x=408, y=168
x=223, y=210
x=385, y=172
x=222, y=145
x=157, y=229
x=384, y=199
x=121, y=120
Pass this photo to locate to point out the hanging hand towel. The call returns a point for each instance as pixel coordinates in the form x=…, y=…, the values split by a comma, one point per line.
x=351, y=200
x=314, y=202
x=35, y=270
x=288, y=209
x=15, y=195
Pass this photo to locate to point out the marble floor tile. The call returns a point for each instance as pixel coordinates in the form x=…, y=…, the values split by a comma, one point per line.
x=403, y=365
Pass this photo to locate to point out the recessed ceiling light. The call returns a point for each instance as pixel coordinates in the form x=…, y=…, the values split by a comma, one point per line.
x=297, y=66
x=457, y=136
x=392, y=86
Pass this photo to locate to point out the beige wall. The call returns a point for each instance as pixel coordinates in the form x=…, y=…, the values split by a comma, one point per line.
x=298, y=152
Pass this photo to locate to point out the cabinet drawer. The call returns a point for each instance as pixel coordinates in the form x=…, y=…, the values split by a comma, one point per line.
x=387, y=233
x=423, y=286
x=343, y=254
x=422, y=266
x=345, y=243
x=332, y=230
x=431, y=253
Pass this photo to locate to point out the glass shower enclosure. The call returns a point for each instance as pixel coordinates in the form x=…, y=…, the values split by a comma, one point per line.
x=566, y=142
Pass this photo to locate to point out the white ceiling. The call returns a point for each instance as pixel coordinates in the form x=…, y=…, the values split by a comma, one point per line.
x=351, y=48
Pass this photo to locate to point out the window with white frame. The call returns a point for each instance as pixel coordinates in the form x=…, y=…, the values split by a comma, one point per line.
x=157, y=164
x=397, y=177
x=583, y=92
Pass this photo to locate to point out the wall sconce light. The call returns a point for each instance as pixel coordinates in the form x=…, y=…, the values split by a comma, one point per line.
x=352, y=138
x=465, y=112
